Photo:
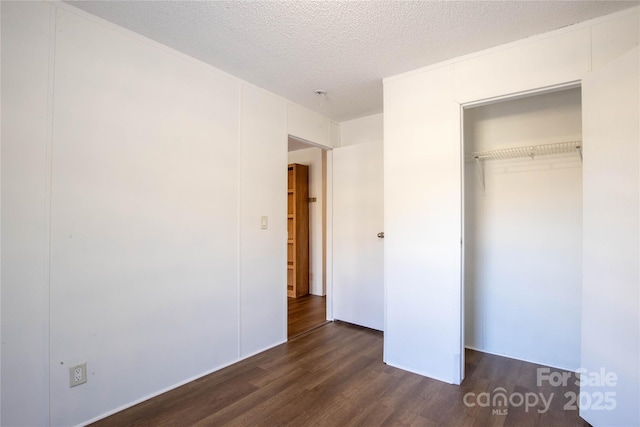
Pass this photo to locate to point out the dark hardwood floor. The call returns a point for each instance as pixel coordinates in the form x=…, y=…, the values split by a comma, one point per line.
x=305, y=313
x=334, y=376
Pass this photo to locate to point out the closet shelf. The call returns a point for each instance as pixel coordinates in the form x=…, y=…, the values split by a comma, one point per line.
x=531, y=151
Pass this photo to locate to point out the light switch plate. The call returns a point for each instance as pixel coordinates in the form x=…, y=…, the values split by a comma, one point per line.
x=264, y=222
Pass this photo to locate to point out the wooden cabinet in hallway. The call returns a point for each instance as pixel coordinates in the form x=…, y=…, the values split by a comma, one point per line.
x=298, y=231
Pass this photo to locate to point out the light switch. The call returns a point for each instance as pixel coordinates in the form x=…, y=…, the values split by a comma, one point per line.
x=264, y=222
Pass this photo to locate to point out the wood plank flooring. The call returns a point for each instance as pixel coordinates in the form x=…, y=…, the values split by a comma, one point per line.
x=334, y=376
x=305, y=313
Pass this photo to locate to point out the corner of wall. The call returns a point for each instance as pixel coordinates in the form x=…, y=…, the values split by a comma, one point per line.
x=335, y=134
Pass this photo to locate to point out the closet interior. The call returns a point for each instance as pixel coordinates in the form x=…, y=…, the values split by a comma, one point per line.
x=523, y=228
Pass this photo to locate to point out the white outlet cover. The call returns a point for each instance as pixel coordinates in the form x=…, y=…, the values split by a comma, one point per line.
x=77, y=375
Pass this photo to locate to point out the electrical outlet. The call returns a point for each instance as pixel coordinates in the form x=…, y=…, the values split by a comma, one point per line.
x=77, y=375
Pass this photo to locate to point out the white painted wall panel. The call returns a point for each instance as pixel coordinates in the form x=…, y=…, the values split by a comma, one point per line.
x=263, y=183
x=544, y=62
x=26, y=37
x=310, y=126
x=144, y=243
x=422, y=224
x=611, y=247
x=145, y=179
x=613, y=38
x=362, y=130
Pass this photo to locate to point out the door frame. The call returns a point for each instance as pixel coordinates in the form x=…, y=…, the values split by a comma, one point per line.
x=478, y=103
x=327, y=223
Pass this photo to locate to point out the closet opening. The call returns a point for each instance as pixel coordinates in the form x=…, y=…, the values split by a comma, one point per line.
x=306, y=237
x=522, y=228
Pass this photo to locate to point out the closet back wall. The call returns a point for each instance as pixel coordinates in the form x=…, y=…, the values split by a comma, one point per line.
x=523, y=233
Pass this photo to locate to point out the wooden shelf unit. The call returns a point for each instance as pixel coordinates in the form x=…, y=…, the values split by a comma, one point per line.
x=298, y=230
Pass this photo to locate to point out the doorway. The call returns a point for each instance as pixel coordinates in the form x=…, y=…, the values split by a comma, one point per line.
x=522, y=257
x=308, y=312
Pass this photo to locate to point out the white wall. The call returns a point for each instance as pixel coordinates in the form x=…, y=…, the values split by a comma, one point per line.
x=362, y=130
x=611, y=244
x=310, y=126
x=263, y=175
x=422, y=260
x=143, y=181
x=25, y=212
x=312, y=157
x=422, y=217
x=523, y=232
x=144, y=219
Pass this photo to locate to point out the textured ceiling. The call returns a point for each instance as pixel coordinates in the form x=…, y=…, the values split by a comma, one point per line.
x=293, y=48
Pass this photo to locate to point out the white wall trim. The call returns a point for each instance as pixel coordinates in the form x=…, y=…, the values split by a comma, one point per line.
x=239, y=170
x=422, y=373
x=311, y=143
x=329, y=235
x=46, y=306
x=537, y=362
x=523, y=94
